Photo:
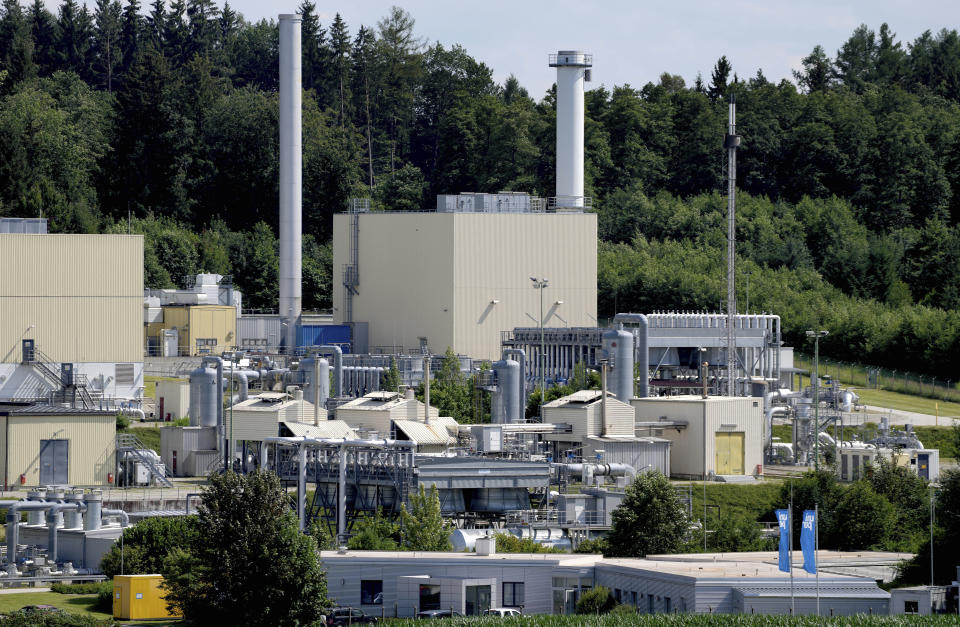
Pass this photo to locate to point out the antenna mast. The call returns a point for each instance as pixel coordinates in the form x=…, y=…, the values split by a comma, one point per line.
x=731, y=142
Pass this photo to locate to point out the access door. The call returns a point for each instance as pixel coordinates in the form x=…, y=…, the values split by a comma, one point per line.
x=54, y=462
x=729, y=453
x=923, y=465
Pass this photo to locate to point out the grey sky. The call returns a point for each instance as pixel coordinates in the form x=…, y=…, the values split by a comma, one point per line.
x=634, y=41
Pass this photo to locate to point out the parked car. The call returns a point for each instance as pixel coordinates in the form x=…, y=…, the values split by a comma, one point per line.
x=438, y=614
x=349, y=616
x=502, y=611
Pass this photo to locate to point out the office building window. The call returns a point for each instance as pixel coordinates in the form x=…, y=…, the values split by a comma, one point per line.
x=911, y=607
x=512, y=594
x=371, y=592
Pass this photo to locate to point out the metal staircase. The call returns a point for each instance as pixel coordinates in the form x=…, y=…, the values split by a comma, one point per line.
x=67, y=390
x=129, y=443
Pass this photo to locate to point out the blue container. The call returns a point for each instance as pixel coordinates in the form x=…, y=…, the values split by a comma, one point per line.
x=320, y=334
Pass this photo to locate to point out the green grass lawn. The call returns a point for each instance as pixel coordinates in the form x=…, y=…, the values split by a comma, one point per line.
x=907, y=402
x=754, y=501
x=73, y=603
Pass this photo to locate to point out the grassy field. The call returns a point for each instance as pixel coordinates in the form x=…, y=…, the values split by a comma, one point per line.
x=73, y=603
x=751, y=500
x=907, y=402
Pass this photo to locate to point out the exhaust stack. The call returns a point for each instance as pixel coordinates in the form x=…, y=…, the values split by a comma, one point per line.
x=573, y=69
x=291, y=177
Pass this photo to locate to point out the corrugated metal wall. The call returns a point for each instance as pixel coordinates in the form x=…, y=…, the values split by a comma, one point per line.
x=92, y=448
x=437, y=275
x=687, y=455
x=320, y=334
x=83, y=294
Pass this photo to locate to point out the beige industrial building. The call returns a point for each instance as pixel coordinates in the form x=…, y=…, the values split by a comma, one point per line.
x=717, y=435
x=439, y=280
x=200, y=329
x=54, y=445
x=172, y=400
x=79, y=299
x=602, y=433
x=376, y=411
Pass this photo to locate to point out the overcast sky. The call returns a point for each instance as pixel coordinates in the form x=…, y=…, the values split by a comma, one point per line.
x=635, y=41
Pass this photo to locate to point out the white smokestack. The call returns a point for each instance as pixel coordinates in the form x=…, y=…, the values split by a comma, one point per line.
x=291, y=175
x=572, y=71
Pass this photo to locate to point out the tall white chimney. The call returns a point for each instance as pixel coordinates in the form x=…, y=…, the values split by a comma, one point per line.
x=572, y=71
x=291, y=176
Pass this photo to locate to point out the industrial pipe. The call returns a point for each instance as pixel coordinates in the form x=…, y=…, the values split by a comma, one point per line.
x=13, y=522
x=522, y=359
x=221, y=445
x=124, y=518
x=134, y=411
x=52, y=514
x=243, y=377
x=641, y=350
x=426, y=389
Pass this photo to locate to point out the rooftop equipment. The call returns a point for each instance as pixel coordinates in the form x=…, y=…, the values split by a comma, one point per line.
x=291, y=174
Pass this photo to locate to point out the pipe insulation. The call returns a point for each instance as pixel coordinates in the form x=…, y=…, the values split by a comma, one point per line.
x=522, y=359
x=291, y=175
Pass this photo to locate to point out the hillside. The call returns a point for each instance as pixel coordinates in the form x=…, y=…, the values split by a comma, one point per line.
x=163, y=121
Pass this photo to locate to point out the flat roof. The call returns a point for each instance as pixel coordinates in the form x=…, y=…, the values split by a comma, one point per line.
x=690, y=398
x=746, y=566
x=32, y=409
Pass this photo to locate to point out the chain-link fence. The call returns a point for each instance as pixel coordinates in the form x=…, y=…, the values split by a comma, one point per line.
x=876, y=378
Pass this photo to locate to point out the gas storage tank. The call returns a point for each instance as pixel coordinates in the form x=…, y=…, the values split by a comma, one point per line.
x=506, y=399
x=203, y=397
x=618, y=348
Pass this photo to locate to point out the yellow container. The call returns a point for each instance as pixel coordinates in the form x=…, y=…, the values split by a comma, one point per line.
x=139, y=597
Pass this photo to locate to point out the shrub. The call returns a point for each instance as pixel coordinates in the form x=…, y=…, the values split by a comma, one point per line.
x=123, y=422
x=93, y=587
x=595, y=601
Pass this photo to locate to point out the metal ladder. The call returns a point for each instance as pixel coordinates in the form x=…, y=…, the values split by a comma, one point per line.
x=129, y=443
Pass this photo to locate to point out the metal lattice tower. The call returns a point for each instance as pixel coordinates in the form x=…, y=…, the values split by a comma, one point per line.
x=731, y=141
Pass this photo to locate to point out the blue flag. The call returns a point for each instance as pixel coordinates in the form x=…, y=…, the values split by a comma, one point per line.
x=783, y=518
x=808, y=541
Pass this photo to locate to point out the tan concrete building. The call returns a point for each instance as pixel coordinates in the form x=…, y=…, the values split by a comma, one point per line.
x=201, y=329
x=79, y=298
x=53, y=445
x=377, y=410
x=458, y=279
x=718, y=435
x=172, y=400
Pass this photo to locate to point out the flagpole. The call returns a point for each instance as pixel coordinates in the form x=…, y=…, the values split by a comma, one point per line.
x=793, y=608
x=816, y=549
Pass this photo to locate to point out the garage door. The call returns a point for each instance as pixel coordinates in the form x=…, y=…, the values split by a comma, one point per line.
x=729, y=447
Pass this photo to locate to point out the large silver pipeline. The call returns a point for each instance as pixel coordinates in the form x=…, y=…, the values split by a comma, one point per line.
x=124, y=517
x=13, y=522
x=642, y=351
x=243, y=377
x=522, y=358
x=52, y=514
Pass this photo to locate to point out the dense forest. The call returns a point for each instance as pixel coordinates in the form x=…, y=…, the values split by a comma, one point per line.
x=161, y=119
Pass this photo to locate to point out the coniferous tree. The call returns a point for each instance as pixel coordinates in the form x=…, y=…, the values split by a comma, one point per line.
x=107, y=54
x=43, y=30
x=719, y=78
